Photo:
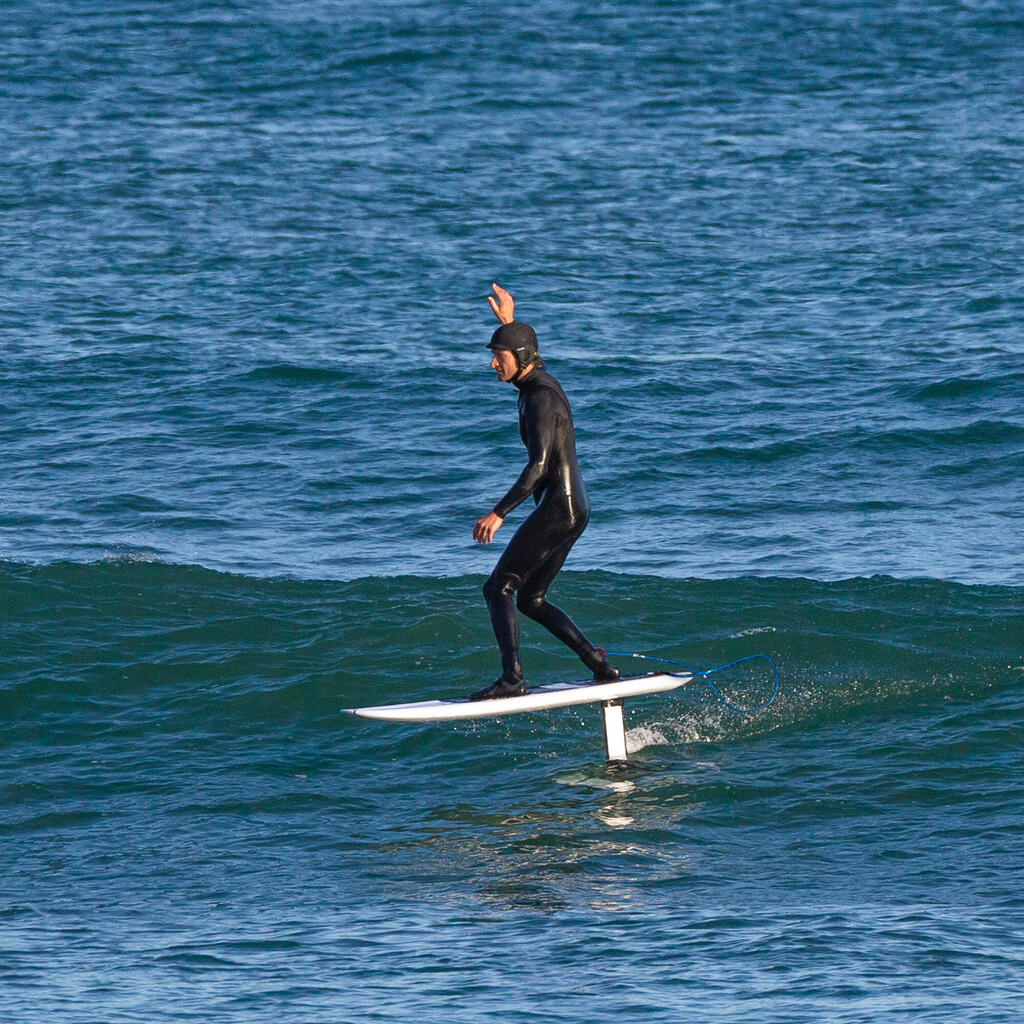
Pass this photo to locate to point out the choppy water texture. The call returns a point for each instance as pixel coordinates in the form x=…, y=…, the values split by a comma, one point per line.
x=773, y=253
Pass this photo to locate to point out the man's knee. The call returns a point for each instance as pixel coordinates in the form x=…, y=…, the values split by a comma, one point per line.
x=500, y=586
x=530, y=602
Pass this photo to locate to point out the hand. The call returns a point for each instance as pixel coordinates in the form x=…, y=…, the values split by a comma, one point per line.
x=504, y=307
x=486, y=527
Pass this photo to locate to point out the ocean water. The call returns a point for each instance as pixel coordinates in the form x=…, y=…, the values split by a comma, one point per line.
x=772, y=251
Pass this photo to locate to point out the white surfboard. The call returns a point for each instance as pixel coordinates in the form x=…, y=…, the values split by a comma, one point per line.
x=542, y=698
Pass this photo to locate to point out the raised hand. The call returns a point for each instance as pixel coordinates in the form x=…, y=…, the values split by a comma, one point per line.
x=503, y=309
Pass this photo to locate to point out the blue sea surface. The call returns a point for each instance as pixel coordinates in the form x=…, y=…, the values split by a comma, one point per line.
x=772, y=252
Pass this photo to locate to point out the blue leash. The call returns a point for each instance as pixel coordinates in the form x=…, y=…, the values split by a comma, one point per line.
x=718, y=693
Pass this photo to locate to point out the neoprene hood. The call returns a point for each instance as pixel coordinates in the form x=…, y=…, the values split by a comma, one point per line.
x=518, y=338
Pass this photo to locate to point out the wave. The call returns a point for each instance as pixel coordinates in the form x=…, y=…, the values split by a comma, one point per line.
x=140, y=643
x=955, y=388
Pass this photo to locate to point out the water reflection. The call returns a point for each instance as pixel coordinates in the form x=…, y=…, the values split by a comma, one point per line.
x=597, y=837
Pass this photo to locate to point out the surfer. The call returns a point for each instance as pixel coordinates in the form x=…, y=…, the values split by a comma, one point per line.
x=552, y=476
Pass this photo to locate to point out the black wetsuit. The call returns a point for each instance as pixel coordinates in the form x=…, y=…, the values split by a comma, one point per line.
x=539, y=547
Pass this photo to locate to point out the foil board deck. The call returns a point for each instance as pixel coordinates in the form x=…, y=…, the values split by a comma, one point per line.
x=542, y=698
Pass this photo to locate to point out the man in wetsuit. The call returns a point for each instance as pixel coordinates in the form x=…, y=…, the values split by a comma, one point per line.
x=552, y=475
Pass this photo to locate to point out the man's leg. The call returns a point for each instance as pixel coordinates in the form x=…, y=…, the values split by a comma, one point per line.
x=533, y=602
x=499, y=593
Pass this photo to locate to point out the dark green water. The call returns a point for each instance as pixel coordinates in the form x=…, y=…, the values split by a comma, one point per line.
x=186, y=811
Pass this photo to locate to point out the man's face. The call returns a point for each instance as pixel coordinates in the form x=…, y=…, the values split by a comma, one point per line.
x=504, y=365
